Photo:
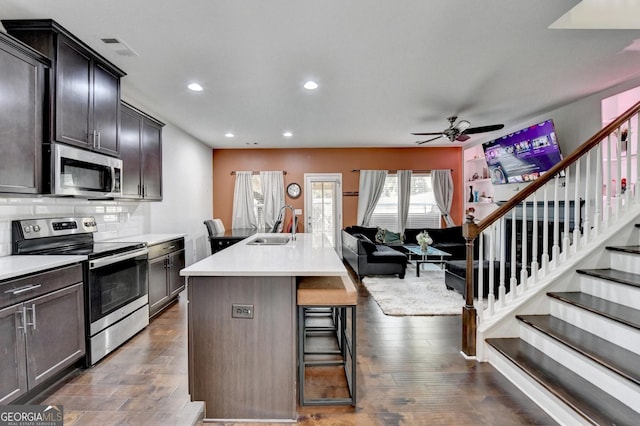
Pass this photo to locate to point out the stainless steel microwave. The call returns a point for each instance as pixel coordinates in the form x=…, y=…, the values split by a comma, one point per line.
x=81, y=173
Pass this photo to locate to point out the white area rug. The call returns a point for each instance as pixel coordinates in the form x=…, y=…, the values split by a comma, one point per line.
x=424, y=295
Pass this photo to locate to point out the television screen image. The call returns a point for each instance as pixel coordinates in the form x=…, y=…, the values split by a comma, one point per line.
x=522, y=156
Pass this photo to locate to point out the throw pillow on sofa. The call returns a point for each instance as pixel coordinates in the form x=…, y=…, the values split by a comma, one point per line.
x=384, y=236
x=368, y=245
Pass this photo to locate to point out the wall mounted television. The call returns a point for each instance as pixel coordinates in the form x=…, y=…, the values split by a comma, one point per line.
x=523, y=156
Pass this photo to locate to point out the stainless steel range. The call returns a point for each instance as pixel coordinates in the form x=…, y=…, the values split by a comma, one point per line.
x=115, y=277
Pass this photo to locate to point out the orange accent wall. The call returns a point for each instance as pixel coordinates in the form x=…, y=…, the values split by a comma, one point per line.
x=297, y=162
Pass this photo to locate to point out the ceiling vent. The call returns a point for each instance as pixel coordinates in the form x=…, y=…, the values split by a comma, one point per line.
x=118, y=46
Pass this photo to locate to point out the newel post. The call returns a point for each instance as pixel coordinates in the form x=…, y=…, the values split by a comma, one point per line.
x=469, y=318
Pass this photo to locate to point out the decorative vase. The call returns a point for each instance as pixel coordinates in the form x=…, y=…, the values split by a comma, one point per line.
x=424, y=246
x=471, y=193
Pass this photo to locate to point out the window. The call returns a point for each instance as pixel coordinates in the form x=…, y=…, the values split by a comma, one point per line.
x=423, y=211
x=258, y=199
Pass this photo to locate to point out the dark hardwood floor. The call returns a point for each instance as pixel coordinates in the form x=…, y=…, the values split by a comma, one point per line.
x=410, y=372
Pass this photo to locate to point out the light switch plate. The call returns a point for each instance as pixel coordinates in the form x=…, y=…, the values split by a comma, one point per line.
x=298, y=212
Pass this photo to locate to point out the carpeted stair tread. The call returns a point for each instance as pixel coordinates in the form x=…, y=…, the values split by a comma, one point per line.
x=614, y=311
x=614, y=275
x=625, y=249
x=591, y=402
x=613, y=357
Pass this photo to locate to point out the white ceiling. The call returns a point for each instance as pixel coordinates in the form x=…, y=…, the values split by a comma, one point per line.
x=386, y=68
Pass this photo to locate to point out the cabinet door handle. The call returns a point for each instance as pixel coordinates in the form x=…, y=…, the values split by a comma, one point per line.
x=98, y=134
x=20, y=319
x=20, y=290
x=33, y=317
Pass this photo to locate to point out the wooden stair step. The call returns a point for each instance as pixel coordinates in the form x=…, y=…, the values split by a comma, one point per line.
x=610, y=356
x=614, y=311
x=614, y=275
x=589, y=401
x=625, y=249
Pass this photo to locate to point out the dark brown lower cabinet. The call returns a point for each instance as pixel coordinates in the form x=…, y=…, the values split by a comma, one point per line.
x=42, y=333
x=165, y=262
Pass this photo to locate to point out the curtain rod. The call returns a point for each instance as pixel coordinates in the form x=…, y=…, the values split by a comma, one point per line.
x=394, y=171
x=284, y=172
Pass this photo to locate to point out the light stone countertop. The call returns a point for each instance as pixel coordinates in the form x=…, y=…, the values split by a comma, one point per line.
x=309, y=254
x=148, y=239
x=15, y=266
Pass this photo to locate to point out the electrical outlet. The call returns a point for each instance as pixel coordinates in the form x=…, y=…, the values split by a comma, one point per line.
x=241, y=311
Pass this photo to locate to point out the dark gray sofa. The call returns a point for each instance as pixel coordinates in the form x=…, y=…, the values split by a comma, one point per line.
x=367, y=258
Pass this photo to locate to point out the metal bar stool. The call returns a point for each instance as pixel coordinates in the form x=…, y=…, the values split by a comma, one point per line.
x=332, y=297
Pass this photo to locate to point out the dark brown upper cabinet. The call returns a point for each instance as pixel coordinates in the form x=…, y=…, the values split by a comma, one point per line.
x=85, y=87
x=23, y=73
x=141, y=153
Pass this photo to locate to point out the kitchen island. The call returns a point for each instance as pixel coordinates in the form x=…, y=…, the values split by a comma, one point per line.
x=242, y=325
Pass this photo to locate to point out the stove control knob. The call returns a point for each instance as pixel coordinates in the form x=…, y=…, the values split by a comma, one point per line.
x=27, y=229
x=36, y=228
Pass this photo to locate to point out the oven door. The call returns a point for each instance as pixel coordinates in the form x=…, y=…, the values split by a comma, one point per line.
x=78, y=172
x=118, y=286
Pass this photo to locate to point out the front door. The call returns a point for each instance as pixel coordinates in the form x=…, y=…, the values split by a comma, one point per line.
x=323, y=205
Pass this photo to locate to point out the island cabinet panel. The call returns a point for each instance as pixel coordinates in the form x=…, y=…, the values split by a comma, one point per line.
x=22, y=83
x=243, y=368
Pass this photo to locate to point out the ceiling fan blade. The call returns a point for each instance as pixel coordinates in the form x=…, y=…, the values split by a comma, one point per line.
x=483, y=129
x=427, y=134
x=429, y=140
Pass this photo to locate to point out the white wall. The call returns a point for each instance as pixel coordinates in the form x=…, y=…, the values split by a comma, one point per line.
x=187, y=192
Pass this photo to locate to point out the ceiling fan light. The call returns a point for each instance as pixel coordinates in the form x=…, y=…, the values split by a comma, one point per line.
x=462, y=125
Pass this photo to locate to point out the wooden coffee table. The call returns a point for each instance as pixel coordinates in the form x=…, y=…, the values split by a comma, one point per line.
x=430, y=256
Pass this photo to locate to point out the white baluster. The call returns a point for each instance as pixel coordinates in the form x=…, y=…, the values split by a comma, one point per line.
x=503, y=254
x=513, y=282
x=480, y=278
x=491, y=298
x=576, y=209
x=534, y=244
x=555, y=249
x=607, y=202
x=598, y=194
x=525, y=260
x=586, y=224
x=566, y=241
x=618, y=193
x=545, y=232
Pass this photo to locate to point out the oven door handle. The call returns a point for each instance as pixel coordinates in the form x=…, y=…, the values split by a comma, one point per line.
x=99, y=263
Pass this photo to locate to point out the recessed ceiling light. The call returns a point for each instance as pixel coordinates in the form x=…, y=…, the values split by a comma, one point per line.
x=287, y=134
x=195, y=87
x=311, y=85
x=229, y=135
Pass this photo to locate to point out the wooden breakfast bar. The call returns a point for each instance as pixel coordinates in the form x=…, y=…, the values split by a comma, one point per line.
x=242, y=325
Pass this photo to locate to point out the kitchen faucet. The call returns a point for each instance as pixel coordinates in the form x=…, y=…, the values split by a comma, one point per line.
x=293, y=219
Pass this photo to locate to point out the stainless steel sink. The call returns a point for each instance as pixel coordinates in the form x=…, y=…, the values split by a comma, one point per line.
x=275, y=240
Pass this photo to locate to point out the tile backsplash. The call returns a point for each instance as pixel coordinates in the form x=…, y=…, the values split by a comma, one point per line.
x=114, y=218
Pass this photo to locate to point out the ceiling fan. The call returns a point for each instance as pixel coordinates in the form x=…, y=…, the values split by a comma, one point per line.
x=459, y=131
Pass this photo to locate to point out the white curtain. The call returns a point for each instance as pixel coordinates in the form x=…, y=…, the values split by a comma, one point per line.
x=442, y=183
x=244, y=215
x=273, y=191
x=371, y=185
x=404, y=195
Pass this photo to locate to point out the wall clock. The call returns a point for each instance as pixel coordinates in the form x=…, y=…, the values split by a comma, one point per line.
x=293, y=190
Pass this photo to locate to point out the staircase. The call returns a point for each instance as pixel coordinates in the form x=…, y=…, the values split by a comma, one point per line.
x=581, y=362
